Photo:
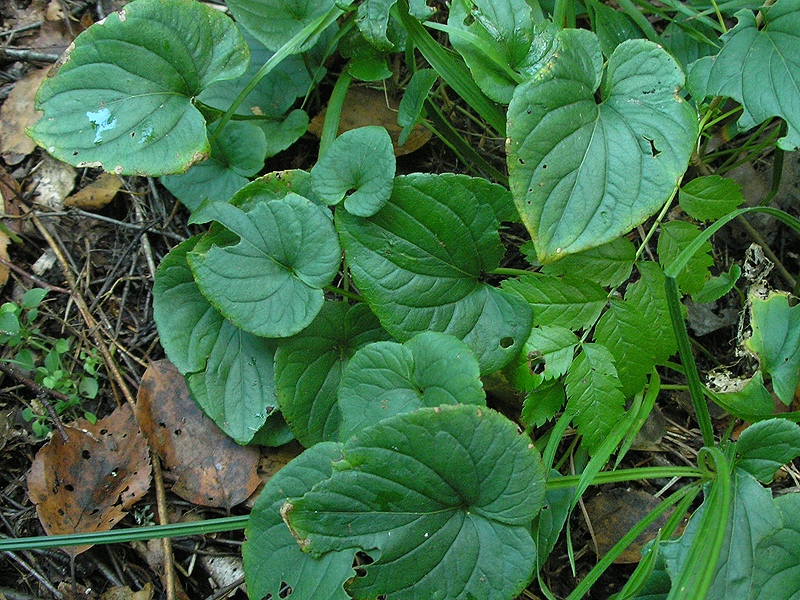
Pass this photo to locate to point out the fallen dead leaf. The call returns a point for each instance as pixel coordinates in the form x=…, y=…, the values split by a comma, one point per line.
x=224, y=570
x=52, y=182
x=10, y=205
x=17, y=113
x=273, y=460
x=365, y=106
x=97, y=194
x=613, y=513
x=126, y=593
x=86, y=484
x=209, y=468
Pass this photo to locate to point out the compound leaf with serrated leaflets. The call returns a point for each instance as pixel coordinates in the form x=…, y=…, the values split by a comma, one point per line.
x=622, y=329
x=675, y=236
x=594, y=395
x=569, y=302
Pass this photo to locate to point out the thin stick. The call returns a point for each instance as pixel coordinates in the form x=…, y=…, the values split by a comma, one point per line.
x=169, y=573
x=87, y=316
x=32, y=278
x=163, y=519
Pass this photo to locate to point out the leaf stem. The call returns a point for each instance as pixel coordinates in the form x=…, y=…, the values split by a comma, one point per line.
x=316, y=27
x=689, y=365
x=330, y=129
x=510, y=272
x=636, y=474
x=116, y=536
x=344, y=293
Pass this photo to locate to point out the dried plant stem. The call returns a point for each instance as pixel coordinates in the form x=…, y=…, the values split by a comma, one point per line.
x=111, y=366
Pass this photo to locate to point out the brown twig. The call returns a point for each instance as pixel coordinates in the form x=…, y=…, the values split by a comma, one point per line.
x=163, y=519
x=42, y=393
x=32, y=278
x=111, y=366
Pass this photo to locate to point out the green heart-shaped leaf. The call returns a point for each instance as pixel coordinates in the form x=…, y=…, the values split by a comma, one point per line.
x=583, y=173
x=272, y=558
x=236, y=154
x=188, y=325
x=237, y=387
x=308, y=368
x=229, y=371
x=275, y=22
x=122, y=97
x=496, y=40
x=359, y=164
x=759, y=67
x=445, y=495
x=419, y=262
x=275, y=93
x=386, y=378
x=766, y=446
x=270, y=283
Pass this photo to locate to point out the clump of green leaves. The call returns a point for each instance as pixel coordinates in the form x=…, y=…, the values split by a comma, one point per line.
x=382, y=378
x=48, y=362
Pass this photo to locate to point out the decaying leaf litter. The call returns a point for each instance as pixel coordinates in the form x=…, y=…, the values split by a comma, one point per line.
x=110, y=233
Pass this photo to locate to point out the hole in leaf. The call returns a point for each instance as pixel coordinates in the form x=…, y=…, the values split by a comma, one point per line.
x=506, y=342
x=522, y=162
x=69, y=487
x=544, y=167
x=103, y=431
x=61, y=511
x=653, y=150
x=178, y=431
x=85, y=455
x=286, y=590
x=267, y=597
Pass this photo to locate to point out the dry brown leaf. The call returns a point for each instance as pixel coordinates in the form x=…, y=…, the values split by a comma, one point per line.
x=613, y=513
x=97, y=194
x=365, y=106
x=209, y=468
x=86, y=484
x=4, y=271
x=17, y=113
x=10, y=205
x=52, y=182
x=126, y=593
